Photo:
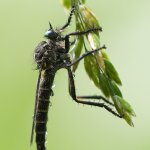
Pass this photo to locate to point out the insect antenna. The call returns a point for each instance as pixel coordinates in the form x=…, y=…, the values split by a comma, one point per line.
x=50, y=25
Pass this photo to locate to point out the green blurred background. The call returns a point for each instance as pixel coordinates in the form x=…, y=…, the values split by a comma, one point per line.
x=126, y=33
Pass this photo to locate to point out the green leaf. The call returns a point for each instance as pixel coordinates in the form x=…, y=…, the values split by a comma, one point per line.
x=128, y=119
x=111, y=71
x=76, y=50
x=126, y=106
x=83, y=1
x=88, y=17
x=95, y=75
x=92, y=69
x=108, y=87
x=90, y=21
x=124, y=109
x=105, y=56
x=94, y=40
x=66, y=3
x=104, y=84
x=114, y=89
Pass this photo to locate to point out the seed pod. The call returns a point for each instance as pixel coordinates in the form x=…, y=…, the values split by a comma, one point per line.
x=88, y=17
x=124, y=109
x=76, y=51
x=104, y=84
x=111, y=71
x=92, y=69
x=105, y=56
x=114, y=89
x=94, y=73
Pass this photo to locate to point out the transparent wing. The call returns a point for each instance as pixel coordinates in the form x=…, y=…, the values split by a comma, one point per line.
x=35, y=108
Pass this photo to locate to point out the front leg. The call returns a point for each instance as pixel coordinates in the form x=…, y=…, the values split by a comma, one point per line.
x=84, y=32
x=72, y=92
x=86, y=55
x=69, y=19
x=79, y=33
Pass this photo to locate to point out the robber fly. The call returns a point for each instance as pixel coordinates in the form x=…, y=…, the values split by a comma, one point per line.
x=51, y=56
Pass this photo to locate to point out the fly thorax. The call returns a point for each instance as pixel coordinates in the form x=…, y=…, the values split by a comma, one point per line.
x=43, y=54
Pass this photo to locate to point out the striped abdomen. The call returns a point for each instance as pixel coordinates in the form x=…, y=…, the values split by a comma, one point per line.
x=44, y=93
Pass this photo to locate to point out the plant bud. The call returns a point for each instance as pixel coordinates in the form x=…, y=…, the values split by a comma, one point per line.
x=88, y=17
x=66, y=3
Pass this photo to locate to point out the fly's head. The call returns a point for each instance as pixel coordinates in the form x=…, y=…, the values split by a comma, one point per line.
x=52, y=34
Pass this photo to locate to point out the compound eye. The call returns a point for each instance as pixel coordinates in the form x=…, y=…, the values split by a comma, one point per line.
x=51, y=34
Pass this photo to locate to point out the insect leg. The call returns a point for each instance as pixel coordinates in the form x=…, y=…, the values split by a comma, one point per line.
x=98, y=97
x=73, y=95
x=86, y=54
x=69, y=19
x=66, y=38
x=85, y=32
